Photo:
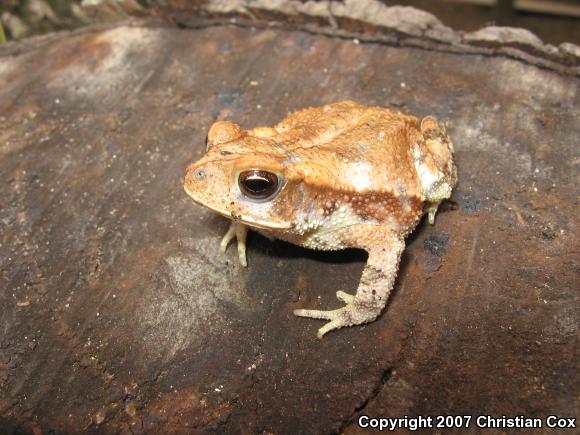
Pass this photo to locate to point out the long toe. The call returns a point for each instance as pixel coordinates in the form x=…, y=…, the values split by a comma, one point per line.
x=334, y=324
x=344, y=297
x=316, y=314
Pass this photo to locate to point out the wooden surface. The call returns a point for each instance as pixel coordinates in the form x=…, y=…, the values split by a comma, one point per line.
x=118, y=313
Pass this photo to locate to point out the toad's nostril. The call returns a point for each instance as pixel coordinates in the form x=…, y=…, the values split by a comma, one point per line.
x=199, y=174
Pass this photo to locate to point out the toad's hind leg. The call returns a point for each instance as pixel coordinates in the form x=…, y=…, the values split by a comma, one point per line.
x=378, y=277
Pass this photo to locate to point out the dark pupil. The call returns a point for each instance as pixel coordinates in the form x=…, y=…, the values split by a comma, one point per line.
x=257, y=184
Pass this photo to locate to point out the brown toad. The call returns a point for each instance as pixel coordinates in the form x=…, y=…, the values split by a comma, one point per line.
x=338, y=176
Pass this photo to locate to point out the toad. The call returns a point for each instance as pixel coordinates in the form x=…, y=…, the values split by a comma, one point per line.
x=343, y=175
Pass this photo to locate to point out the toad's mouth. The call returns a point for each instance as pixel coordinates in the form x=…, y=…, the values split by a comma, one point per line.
x=250, y=220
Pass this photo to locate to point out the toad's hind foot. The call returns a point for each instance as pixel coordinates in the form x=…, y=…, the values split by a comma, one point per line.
x=384, y=248
x=240, y=232
x=354, y=313
x=432, y=211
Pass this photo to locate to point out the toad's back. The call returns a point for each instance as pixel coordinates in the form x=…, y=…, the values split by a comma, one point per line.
x=349, y=147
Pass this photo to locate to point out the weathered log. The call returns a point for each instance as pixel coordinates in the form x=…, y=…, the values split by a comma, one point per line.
x=118, y=313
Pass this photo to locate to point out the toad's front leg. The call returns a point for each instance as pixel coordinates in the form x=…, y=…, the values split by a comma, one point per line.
x=240, y=232
x=378, y=277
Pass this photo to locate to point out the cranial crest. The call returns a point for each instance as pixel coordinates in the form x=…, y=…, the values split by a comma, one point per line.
x=221, y=132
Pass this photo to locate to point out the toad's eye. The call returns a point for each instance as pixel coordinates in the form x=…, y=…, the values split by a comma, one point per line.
x=258, y=184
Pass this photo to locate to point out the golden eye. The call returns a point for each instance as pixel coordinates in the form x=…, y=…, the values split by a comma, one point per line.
x=258, y=184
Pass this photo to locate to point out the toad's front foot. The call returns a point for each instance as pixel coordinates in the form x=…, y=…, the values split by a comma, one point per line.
x=354, y=313
x=240, y=232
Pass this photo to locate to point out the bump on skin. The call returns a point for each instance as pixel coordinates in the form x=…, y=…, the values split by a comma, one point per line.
x=222, y=132
x=350, y=176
